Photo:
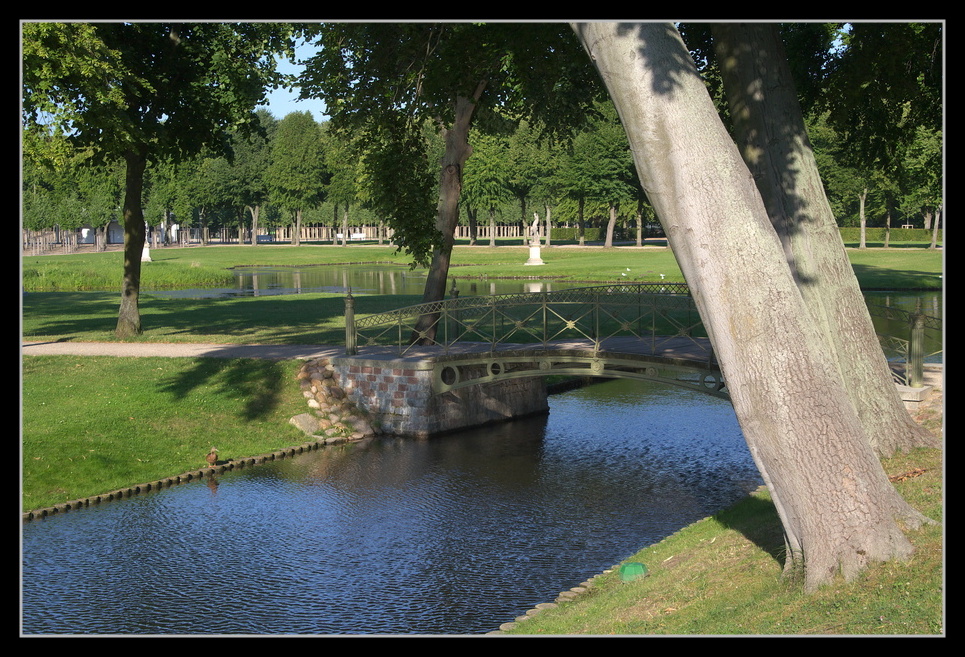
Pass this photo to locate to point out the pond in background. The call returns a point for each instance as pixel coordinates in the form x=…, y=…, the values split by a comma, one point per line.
x=360, y=279
x=454, y=535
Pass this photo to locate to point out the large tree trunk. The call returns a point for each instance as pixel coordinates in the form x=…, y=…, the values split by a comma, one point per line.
x=457, y=151
x=838, y=509
x=129, y=316
x=769, y=129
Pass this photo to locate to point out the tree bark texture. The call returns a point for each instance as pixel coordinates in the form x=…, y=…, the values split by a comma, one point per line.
x=129, y=315
x=770, y=131
x=838, y=509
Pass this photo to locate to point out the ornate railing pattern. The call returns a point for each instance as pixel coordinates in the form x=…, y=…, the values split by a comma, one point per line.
x=650, y=311
x=656, y=312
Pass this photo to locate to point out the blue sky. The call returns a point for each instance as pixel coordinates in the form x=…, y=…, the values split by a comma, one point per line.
x=282, y=102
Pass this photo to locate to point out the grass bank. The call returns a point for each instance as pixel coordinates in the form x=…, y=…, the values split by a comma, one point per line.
x=722, y=576
x=90, y=425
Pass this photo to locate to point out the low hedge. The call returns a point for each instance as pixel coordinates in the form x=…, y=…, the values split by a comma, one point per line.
x=877, y=234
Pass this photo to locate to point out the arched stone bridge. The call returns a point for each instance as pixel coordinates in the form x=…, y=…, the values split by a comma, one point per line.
x=640, y=331
x=487, y=355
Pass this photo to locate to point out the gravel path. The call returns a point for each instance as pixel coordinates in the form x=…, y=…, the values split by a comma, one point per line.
x=180, y=350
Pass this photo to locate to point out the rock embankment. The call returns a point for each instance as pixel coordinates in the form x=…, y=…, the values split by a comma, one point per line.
x=334, y=417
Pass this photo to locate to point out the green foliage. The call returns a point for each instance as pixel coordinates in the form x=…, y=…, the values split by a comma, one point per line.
x=385, y=82
x=296, y=174
x=883, y=84
x=118, y=86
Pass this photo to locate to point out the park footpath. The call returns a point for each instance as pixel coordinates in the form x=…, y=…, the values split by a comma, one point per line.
x=179, y=350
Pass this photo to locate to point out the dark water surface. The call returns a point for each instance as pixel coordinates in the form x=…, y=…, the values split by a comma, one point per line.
x=360, y=279
x=454, y=535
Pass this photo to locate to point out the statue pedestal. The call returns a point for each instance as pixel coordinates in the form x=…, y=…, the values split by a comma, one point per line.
x=534, y=258
x=146, y=254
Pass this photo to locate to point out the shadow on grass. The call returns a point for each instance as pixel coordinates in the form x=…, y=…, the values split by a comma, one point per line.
x=757, y=520
x=258, y=382
x=281, y=319
x=885, y=278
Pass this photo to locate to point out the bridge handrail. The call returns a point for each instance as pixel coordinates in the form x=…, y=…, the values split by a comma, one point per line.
x=458, y=317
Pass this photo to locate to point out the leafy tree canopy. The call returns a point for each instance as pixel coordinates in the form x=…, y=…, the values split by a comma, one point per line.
x=166, y=87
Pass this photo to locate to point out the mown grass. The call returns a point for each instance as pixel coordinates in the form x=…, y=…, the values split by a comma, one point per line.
x=94, y=424
x=201, y=267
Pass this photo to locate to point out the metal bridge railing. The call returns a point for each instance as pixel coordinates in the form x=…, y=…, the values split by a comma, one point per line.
x=647, y=311
x=920, y=335
x=656, y=312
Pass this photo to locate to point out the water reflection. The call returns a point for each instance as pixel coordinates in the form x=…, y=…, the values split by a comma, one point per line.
x=361, y=279
x=454, y=535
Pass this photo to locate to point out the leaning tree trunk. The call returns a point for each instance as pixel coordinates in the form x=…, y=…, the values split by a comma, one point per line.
x=769, y=128
x=838, y=509
x=129, y=315
x=457, y=151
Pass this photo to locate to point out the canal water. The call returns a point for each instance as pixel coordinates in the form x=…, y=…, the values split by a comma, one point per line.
x=449, y=536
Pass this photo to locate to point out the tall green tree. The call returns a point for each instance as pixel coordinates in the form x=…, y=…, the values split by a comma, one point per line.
x=145, y=92
x=485, y=183
x=386, y=81
x=248, y=189
x=342, y=158
x=296, y=174
x=884, y=82
x=922, y=180
x=526, y=166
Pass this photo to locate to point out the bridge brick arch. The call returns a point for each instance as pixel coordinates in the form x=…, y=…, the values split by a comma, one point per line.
x=454, y=372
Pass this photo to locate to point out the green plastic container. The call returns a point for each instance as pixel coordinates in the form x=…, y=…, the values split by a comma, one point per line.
x=632, y=570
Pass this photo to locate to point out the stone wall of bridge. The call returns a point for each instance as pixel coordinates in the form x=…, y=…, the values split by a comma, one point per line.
x=399, y=399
